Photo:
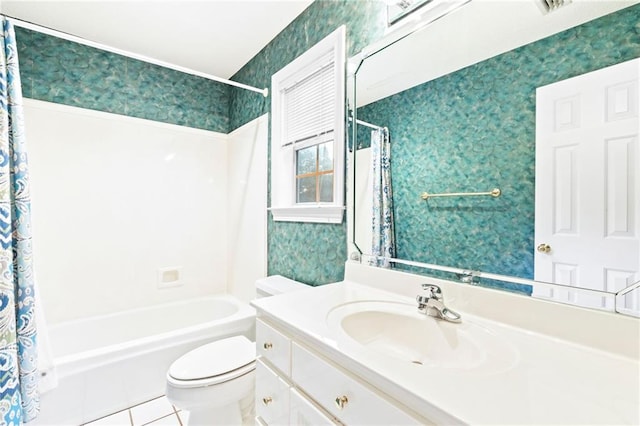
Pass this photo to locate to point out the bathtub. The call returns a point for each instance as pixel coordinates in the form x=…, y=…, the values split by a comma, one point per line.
x=110, y=362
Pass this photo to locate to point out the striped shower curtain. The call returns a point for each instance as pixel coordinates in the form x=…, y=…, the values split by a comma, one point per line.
x=19, y=401
x=383, y=243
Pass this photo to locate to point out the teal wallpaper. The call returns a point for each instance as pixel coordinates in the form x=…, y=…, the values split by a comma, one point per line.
x=474, y=130
x=312, y=253
x=69, y=73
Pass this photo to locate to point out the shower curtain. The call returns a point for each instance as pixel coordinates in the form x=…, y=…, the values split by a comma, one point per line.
x=383, y=231
x=19, y=400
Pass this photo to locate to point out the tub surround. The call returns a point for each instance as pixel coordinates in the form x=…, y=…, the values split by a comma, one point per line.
x=128, y=187
x=132, y=213
x=568, y=364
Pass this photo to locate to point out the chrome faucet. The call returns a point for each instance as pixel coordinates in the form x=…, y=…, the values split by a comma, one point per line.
x=468, y=277
x=432, y=304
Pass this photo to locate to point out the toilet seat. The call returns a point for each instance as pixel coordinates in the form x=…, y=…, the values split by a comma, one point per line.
x=213, y=363
x=210, y=381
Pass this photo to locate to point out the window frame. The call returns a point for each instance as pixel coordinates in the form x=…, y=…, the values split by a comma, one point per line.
x=283, y=158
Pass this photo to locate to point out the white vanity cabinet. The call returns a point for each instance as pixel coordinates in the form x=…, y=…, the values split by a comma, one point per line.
x=296, y=386
x=278, y=400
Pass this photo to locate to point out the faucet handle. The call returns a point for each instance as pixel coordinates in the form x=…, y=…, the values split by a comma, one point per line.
x=432, y=304
x=435, y=291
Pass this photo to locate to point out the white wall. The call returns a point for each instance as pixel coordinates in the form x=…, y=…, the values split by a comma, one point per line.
x=247, y=207
x=116, y=198
x=364, y=200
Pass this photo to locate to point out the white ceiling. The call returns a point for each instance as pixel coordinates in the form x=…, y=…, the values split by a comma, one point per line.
x=211, y=36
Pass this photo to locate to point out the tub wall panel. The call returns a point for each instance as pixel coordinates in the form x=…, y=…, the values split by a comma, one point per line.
x=116, y=198
x=247, y=204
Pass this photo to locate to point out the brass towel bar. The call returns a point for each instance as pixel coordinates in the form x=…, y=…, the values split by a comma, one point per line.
x=495, y=192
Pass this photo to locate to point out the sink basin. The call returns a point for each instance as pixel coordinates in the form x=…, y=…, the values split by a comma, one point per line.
x=398, y=331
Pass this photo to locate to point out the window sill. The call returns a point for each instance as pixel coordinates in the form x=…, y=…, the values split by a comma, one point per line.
x=313, y=213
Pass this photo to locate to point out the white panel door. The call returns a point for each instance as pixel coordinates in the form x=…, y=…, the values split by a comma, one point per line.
x=587, y=184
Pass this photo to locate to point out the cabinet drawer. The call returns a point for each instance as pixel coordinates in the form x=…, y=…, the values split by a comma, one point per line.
x=304, y=413
x=347, y=399
x=274, y=346
x=272, y=396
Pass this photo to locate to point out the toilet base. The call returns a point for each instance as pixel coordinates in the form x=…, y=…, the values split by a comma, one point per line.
x=218, y=416
x=235, y=414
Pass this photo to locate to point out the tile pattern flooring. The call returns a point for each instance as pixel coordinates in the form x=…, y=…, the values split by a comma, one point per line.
x=157, y=412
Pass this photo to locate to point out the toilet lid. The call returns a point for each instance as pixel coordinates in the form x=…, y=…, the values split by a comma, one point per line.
x=214, y=359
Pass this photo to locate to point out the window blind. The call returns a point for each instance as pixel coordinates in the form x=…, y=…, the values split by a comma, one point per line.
x=309, y=105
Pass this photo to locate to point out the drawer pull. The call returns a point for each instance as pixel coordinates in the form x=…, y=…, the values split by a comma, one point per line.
x=342, y=401
x=267, y=345
x=267, y=400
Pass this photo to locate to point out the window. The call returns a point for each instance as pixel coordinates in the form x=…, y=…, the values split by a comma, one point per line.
x=307, y=137
x=314, y=173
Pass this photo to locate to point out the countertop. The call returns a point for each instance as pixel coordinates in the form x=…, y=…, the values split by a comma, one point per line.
x=549, y=381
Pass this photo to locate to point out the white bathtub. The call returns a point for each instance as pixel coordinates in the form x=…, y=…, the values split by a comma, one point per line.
x=110, y=362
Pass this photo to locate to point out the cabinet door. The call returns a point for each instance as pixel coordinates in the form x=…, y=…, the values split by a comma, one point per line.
x=272, y=396
x=274, y=346
x=304, y=413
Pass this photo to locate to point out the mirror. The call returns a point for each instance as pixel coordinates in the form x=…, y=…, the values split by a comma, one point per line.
x=459, y=100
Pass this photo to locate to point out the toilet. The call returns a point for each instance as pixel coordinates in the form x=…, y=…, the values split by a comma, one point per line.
x=215, y=382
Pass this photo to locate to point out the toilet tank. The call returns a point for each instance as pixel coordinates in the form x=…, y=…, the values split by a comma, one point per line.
x=277, y=284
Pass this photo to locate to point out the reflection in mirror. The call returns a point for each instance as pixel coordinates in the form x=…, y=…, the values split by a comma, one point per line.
x=400, y=9
x=396, y=10
x=467, y=102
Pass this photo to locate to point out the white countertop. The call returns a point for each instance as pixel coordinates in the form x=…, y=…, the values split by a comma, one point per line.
x=551, y=380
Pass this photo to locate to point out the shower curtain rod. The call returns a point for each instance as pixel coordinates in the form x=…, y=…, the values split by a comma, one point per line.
x=70, y=37
x=373, y=126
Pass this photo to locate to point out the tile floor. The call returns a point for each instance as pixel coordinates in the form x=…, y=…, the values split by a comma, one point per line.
x=157, y=412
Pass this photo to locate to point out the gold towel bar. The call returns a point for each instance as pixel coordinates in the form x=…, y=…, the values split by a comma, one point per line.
x=495, y=192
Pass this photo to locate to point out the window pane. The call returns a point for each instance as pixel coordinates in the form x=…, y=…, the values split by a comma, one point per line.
x=306, y=160
x=326, y=156
x=326, y=188
x=306, y=190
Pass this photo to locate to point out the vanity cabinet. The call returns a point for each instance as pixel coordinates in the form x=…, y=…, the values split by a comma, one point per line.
x=295, y=385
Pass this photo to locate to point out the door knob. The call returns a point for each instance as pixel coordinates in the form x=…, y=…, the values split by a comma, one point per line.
x=544, y=248
x=342, y=401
